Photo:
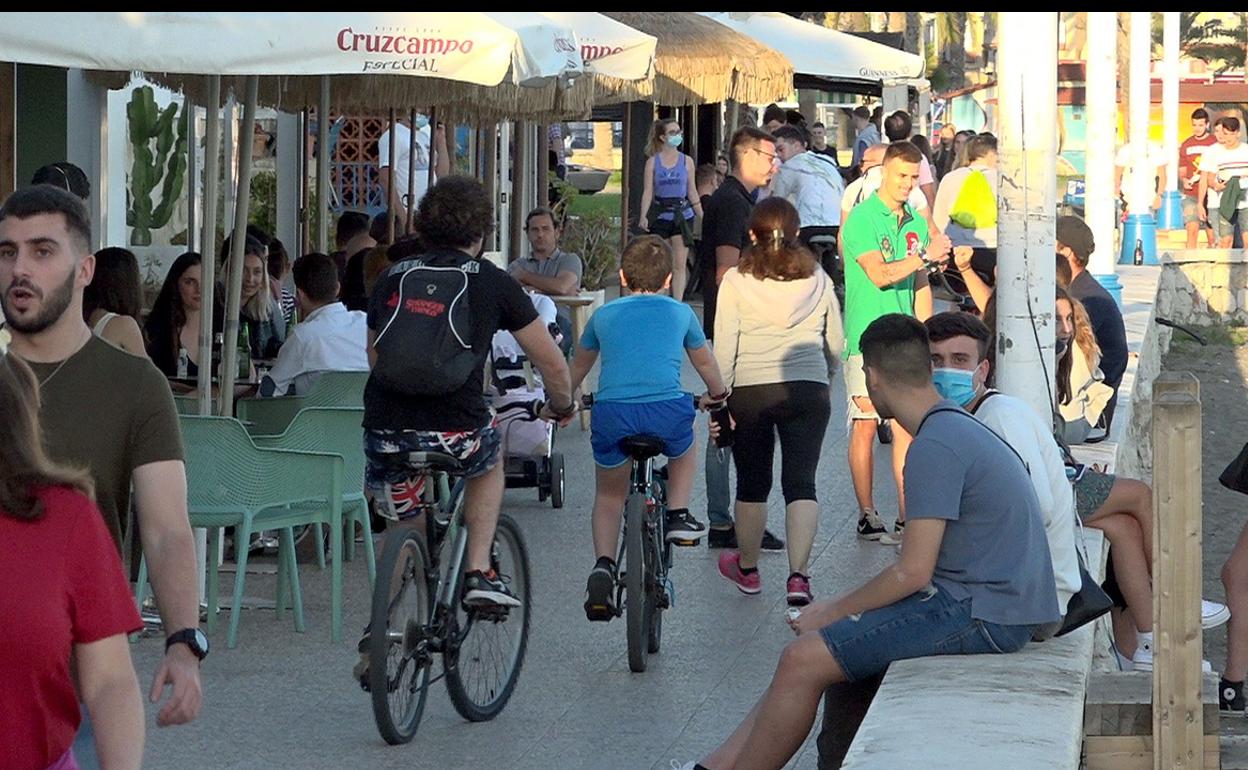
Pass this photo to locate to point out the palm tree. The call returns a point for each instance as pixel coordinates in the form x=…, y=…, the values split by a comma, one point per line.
x=951, y=31
x=1206, y=37
x=913, y=28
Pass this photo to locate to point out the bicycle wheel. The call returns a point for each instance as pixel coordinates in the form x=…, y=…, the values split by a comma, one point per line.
x=398, y=649
x=637, y=606
x=486, y=649
x=662, y=551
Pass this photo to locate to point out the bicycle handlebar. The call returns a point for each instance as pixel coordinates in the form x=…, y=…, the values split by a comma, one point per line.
x=587, y=402
x=532, y=409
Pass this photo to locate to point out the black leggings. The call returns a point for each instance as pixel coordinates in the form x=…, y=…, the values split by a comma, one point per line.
x=798, y=412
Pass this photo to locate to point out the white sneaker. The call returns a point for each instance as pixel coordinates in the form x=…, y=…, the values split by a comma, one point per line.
x=1213, y=614
x=1143, y=658
x=1124, y=663
x=676, y=765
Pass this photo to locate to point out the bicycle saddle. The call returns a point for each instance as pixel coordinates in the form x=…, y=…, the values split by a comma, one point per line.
x=642, y=447
x=436, y=461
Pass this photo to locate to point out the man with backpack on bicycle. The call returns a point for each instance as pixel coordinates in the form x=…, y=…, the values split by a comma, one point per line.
x=641, y=339
x=431, y=320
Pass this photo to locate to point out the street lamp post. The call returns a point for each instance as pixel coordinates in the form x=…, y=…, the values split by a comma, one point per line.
x=1170, y=217
x=1139, y=232
x=1102, y=129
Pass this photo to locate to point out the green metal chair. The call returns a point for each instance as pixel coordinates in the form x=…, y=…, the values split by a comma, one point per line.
x=336, y=430
x=233, y=483
x=270, y=416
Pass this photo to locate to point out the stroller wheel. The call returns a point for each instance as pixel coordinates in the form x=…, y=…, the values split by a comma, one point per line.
x=556, y=480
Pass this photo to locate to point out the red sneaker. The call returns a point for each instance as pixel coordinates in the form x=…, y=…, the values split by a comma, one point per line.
x=730, y=567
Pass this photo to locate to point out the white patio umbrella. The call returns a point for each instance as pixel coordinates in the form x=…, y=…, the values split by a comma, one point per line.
x=823, y=52
x=615, y=54
x=407, y=58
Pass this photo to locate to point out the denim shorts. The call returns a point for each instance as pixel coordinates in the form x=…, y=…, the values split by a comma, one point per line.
x=1224, y=228
x=671, y=421
x=926, y=623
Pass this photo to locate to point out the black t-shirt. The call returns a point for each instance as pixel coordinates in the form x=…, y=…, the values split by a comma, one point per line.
x=828, y=151
x=496, y=302
x=351, y=292
x=726, y=222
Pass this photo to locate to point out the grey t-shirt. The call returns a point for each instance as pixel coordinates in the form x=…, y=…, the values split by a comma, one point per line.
x=994, y=549
x=551, y=266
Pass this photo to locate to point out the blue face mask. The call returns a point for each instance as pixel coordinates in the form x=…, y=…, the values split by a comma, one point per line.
x=421, y=121
x=675, y=140
x=957, y=385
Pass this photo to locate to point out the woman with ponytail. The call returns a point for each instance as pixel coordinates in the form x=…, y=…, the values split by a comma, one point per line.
x=778, y=339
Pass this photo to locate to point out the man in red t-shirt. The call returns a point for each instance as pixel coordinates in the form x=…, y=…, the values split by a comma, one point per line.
x=1189, y=174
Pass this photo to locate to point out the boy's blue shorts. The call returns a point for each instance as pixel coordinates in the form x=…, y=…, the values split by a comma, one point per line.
x=671, y=421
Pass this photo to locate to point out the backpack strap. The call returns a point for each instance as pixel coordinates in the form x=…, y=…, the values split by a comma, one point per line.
x=990, y=431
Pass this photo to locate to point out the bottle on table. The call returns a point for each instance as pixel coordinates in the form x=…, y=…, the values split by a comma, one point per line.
x=1138, y=257
x=218, y=346
x=244, y=352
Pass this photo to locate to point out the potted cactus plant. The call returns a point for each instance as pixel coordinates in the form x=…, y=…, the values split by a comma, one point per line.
x=158, y=141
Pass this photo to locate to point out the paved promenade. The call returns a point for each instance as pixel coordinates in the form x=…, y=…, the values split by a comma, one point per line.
x=282, y=699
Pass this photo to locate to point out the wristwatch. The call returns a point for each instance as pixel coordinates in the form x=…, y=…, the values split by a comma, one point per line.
x=193, y=638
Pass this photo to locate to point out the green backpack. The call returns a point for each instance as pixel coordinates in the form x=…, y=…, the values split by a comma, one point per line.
x=976, y=204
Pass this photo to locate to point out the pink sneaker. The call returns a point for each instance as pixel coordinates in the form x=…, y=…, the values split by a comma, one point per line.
x=730, y=567
x=799, y=590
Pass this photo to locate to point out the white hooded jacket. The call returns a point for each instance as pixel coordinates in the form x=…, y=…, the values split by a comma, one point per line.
x=769, y=331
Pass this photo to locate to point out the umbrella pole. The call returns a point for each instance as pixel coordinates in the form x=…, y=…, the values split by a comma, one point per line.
x=207, y=241
x=322, y=169
x=436, y=114
x=411, y=171
x=305, y=181
x=238, y=242
x=390, y=201
x=543, y=164
x=192, y=172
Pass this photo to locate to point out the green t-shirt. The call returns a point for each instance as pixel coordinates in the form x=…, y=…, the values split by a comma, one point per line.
x=109, y=412
x=872, y=226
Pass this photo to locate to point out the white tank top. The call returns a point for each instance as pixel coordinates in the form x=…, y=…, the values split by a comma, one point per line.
x=102, y=323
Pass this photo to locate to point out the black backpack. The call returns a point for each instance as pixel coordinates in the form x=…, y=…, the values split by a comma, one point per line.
x=425, y=347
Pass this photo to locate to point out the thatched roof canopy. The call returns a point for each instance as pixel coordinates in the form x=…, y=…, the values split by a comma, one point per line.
x=369, y=94
x=699, y=61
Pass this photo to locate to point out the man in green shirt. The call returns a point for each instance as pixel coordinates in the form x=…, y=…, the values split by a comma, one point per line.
x=887, y=250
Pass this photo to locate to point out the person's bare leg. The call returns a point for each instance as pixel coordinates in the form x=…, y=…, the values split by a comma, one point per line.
x=1193, y=230
x=609, y=496
x=483, y=497
x=1209, y=236
x=801, y=521
x=1135, y=499
x=862, y=461
x=680, y=471
x=751, y=521
x=1124, y=632
x=1235, y=579
x=680, y=270
x=774, y=729
x=1130, y=567
x=901, y=445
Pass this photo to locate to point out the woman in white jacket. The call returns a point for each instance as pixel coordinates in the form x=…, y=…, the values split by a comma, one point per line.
x=778, y=339
x=1081, y=390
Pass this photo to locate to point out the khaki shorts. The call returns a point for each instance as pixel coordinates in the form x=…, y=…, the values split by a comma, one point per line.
x=856, y=385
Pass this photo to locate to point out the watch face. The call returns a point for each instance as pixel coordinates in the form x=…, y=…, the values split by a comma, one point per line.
x=201, y=641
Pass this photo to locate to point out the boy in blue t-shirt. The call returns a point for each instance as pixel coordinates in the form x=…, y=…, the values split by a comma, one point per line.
x=642, y=339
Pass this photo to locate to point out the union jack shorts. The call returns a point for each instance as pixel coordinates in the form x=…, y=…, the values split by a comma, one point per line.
x=394, y=479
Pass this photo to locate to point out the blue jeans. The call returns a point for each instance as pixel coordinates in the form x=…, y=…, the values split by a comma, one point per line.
x=929, y=622
x=718, y=490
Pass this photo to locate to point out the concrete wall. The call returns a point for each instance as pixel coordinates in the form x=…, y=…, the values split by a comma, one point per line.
x=1197, y=287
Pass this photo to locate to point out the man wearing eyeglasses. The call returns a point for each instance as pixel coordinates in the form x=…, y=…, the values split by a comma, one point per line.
x=725, y=233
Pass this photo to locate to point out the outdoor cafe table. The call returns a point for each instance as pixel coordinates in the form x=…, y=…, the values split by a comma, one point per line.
x=582, y=306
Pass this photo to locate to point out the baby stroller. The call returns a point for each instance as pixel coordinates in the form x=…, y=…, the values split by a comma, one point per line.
x=529, y=459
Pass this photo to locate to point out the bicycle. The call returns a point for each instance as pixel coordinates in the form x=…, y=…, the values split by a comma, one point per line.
x=417, y=612
x=643, y=589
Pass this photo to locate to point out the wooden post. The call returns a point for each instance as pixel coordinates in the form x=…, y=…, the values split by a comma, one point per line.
x=519, y=173
x=489, y=175
x=8, y=122
x=1178, y=718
